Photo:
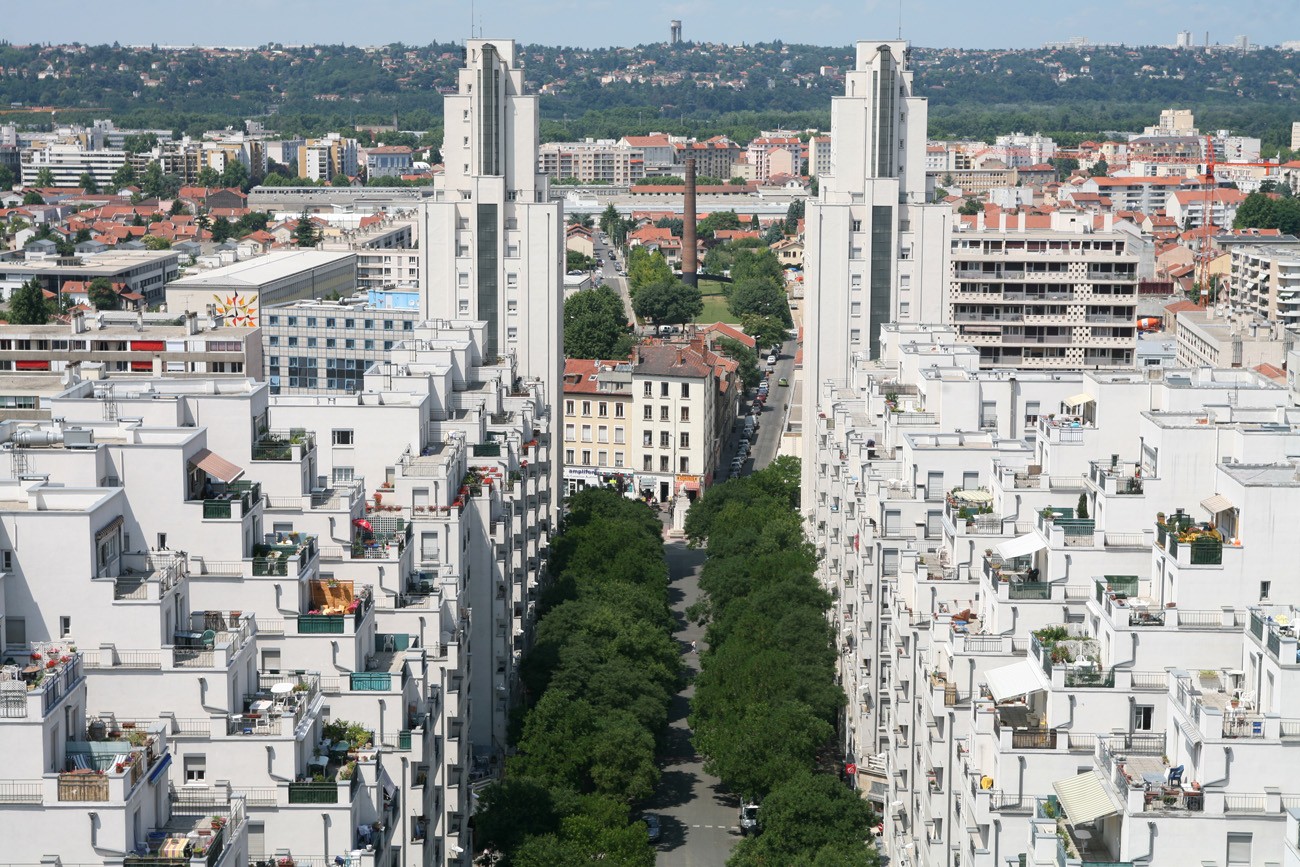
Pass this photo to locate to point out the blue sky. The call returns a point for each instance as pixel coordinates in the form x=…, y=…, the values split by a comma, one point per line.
x=956, y=23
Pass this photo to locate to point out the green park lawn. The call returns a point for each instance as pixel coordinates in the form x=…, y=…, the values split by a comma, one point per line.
x=715, y=304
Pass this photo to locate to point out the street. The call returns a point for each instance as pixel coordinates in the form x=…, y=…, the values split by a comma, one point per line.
x=607, y=269
x=698, y=816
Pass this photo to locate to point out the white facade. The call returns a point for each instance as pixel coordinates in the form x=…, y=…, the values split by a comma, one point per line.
x=68, y=162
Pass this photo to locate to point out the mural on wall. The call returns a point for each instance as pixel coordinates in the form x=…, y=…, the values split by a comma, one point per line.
x=236, y=310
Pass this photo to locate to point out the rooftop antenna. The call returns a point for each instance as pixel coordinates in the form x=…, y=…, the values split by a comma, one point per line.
x=900, y=20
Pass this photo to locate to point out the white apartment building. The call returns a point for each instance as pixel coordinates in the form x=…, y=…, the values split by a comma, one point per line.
x=244, y=589
x=1018, y=150
x=493, y=241
x=1218, y=337
x=867, y=229
x=68, y=162
x=1265, y=279
x=1061, y=296
x=1015, y=668
x=600, y=161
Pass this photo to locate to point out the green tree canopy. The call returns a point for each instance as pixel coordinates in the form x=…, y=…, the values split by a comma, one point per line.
x=101, y=294
x=766, y=330
x=760, y=298
x=645, y=268
x=208, y=177
x=222, y=230
x=716, y=221
x=671, y=302
x=595, y=325
x=27, y=305
x=87, y=182
x=305, y=234
x=746, y=360
x=7, y=179
x=31, y=197
x=123, y=177
x=970, y=206
x=45, y=178
x=235, y=174
x=812, y=820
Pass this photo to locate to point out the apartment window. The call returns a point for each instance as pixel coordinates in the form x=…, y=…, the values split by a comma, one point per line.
x=602, y=459
x=512, y=333
x=6, y=560
x=663, y=389
x=329, y=323
x=349, y=343
x=602, y=409
x=1143, y=714
x=329, y=342
x=618, y=459
x=349, y=323
x=570, y=433
x=686, y=389
x=196, y=769
x=586, y=457
x=648, y=464
x=1264, y=588
x=1031, y=413
x=855, y=226
x=647, y=438
x=663, y=413
x=686, y=413
x=586, y=433
x=855, y=335
x=1238, y=850
x=464, y=307
x=855, y=252
x=65, y=627
x=685, y=439
x=568, y=407
x=618, y=410
x=855, y=308
x=618, y=436
x=648, y=413
x=369, y=344
x=663, y=463
x=665, y=439
x=586, y=407
x=568, y=456
x=904, y=308
x=683, y=465
x=855, y=281
x=341, y=437
x=649, y=389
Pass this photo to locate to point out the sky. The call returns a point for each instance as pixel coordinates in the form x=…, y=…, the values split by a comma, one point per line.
x=594, y=23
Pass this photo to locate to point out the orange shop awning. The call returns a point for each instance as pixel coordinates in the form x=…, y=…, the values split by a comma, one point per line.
x=215, y=465
x=689, y=486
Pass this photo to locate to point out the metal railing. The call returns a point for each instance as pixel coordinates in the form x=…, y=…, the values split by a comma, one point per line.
x=21, y=792
x=313, y=793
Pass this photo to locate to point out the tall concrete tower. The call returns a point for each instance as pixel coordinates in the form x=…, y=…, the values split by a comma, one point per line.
x=492, y=241
x=675, y=31
x=690, y=255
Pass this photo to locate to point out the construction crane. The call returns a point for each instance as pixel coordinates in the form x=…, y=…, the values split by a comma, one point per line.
x=1204, y=253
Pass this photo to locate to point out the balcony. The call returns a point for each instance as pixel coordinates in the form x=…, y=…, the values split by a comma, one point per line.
x=283, y=445
x=191, y=840
x=52, y=672
x=284, y=554
x=1117, y=478
x=1275, y=628
x=102, y=768
x=233, y=500
x=1190, y=543
x=332, y=603
x=148, y=576
x=279, y=706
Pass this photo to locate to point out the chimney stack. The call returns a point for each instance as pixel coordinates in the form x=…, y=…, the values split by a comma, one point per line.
x=689, y=263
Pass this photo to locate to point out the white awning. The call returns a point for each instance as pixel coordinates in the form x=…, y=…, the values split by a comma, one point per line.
x=1084, y=798
x=1078, y=399
x=1021, y=546
x=1216, y=504
x=1191, y=732
x=977, y=497
x=215, y=465
x=1017, y=679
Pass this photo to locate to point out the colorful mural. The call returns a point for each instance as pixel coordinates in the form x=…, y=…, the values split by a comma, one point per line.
x=236, y=310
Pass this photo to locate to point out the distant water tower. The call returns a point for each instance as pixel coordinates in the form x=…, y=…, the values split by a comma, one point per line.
x=675, y=28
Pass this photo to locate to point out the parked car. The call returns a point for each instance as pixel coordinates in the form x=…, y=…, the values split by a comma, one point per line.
x=652, y=826
x=783, y=381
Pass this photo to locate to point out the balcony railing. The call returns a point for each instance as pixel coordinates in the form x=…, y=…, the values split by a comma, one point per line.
x=279, y=445
x=313, y=793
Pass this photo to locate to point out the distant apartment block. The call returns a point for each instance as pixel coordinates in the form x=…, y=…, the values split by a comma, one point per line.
x=604, y=161
x=141, y=272
x=714, y=158
x=320, y=159
x=388, y=161
x=1265, y=279
x=774, y=155
x=238, y=293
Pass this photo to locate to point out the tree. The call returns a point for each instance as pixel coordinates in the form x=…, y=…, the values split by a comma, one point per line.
x=177, y=208
x=222, y=230
x=970, y=207
x=758, y=297
x=609, y=218
x=152, y=183
x=1081, y=509
x=341, y=180
x=766, y=330
x=203, y=223
x=27, y=305
x=208, y=177
x=101, y=294
x=140, y=143
x=7, y=180
x=584, y=220
x=578, y=261
x=757, y=263
x=595, y=325
x=813, y=820
x=31, y=197
x=674, y=225
x=124, y=176
x=1099, y=169
x=793, y=215
x=87, y=183
x=305, y=234
x=154, y=242
x=234, y=175
x=746, y=360
x=1065, y=166
x=716, y=221
x=645, y=268
x=509, y=811
x=45, y=178
x=670, y=302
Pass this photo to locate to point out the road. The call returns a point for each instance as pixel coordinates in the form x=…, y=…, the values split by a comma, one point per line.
x=698, y=815
x=608, y=272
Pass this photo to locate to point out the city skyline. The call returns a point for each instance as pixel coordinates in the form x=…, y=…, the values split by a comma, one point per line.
x=938, y=23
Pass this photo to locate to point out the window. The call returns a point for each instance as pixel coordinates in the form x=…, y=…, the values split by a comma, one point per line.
x=196, y=769
x=1142, y=716
x=855, y=225
x=618, y=459
x=586, y=407
x=647, y=438
x=685, y=439
x=1264, y=588
x=1238, y=850
x=464, y=307
x=855, y=308
x=388, y=325
x=683, y=465
x=343, y=474
x=618, y=435
x=349, y=323
x=512, y=333
x=855, y=335
x=648, y=464
x=686, y=413
x=6, y=560
x=329, y=322
x=663, y=463
x=649, y=389
x=663, y=413
x=686, y=389
x=648, y=413
x=368, y=324
x=602, y=459
x=341, y=437
x=904, y=308
x=663, y=389
x=602, y=409
x=586, y=433
x=370, y=344
x=586, y=457
x=602, y=434
x=570, y=433
x=65, y=627
x=568, y=456
x=618, y=410
x=329, y=342
x=855, y=281
x=665, y=439
x=568, y=407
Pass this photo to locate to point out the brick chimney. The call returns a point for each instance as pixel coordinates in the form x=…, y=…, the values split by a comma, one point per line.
x=689, y=264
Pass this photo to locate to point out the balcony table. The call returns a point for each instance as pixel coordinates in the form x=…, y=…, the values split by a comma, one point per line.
x=261, y=706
